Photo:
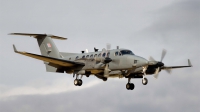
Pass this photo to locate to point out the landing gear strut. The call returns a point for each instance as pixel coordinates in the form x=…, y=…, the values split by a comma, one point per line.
x=144, y=79
x=130, y=86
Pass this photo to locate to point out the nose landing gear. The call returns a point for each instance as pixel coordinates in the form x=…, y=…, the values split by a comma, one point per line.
x=144, y=81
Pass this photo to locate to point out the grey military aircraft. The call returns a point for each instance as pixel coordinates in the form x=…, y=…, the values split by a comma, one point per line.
x=115, y=63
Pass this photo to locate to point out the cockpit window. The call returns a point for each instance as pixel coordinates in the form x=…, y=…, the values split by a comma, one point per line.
x=120, y=53
x=127, y=52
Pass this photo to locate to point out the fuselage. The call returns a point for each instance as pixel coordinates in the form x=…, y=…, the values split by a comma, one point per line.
x=122, y=59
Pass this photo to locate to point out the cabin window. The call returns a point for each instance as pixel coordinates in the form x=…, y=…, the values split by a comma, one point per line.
x=87, y=56
x=99, y=55
x=91, y=56
x=83, y=56
x=76, y=57
x=95, y=55
x=104, y=54
x=108, y=54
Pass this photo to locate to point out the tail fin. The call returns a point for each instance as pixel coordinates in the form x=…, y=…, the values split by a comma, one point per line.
x=47, y=47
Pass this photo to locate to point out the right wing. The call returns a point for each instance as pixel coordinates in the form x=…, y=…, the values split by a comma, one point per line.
x=173, y=67
x=60, y=62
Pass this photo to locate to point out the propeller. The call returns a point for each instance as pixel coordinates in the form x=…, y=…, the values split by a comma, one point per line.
x=159, y=64
x=163, y=55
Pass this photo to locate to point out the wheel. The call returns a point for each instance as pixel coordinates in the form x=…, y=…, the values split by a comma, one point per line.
x=132, y=86
x=76, y=81
x=128, y=86
x=144, y=81
x=104, y=79
x=80, y=82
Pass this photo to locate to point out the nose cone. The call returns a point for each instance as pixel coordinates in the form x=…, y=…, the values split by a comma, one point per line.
x=140, y=61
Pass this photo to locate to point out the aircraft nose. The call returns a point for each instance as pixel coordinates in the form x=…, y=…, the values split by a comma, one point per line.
x=141, y=61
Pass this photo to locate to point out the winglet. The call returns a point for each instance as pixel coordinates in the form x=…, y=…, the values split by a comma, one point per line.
x=189, y=63
x=15, y=48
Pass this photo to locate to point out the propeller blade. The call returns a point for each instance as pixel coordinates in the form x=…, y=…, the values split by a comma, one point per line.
x=163, y=54
x=156, y=73
x=151, y=59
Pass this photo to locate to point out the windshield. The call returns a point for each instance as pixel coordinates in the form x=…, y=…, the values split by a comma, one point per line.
x=125, y=52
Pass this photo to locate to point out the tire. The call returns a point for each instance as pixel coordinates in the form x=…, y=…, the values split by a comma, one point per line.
x=128, y=86
x=80, y=82
x=144, y=81
x=76, y=82
x=132, y=86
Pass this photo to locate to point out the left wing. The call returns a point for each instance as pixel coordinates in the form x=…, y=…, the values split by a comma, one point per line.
x=173, y=67
x=57, y=61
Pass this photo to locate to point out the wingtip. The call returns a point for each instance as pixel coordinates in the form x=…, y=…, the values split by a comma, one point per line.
x=189, y=63
x=11, y=33
x=15, y=50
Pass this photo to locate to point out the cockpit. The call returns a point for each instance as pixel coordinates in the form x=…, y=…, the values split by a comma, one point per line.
x=124, y=52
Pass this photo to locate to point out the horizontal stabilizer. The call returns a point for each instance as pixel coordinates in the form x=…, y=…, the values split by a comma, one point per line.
x=39, y=35
x=60, y=62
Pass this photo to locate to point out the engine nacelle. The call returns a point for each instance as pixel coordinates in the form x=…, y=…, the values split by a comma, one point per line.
x=83, y=72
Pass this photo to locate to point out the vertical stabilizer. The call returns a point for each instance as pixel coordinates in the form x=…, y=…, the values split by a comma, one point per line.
x=48, y=48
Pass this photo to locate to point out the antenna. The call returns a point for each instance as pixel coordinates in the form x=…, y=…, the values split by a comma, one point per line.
x=96, y=50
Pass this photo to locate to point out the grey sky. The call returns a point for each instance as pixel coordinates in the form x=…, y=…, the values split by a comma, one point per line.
x=145, y=27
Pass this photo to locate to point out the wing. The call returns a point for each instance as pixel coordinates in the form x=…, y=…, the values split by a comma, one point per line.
x=173, y=67
x=60, y=62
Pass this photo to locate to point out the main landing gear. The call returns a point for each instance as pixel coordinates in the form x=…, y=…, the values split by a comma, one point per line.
x=130, y=86
x=78, y=82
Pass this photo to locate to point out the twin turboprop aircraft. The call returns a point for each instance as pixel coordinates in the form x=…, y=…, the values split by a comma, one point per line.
x=102, y=64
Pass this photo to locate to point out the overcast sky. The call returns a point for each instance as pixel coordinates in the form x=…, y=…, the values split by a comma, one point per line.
x=143, y=26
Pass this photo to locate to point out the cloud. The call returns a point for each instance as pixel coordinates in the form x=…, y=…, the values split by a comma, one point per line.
x=44, y=88
x=111, y=96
